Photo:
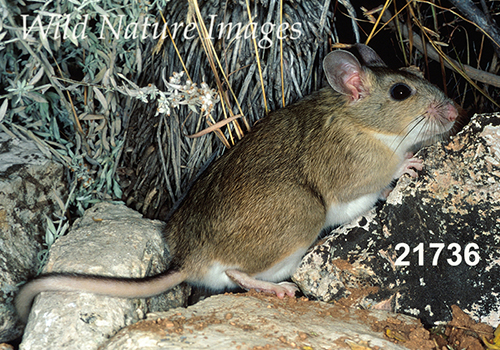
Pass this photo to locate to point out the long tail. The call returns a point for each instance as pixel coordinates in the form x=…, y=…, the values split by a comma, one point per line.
x=111, y=286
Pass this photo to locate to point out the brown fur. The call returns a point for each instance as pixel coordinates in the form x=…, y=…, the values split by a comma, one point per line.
x=267, y=198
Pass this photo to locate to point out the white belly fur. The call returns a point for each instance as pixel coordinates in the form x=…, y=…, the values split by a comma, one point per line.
x=217, y=279
x=284, y=268
x=344, y=212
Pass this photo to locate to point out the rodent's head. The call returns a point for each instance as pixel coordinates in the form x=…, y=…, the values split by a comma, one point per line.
x=392, y=103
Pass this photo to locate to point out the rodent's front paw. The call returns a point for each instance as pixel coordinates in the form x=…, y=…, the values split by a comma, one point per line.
x=409, y=166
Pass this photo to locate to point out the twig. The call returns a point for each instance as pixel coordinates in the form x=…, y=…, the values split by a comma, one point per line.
x=473, y=13
x=162, y=157
x=257, y=58
x=473, y=73
x=352, y=13
x=215, y=126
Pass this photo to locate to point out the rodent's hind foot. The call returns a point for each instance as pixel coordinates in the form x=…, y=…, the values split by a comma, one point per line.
x=247, y=282
x=289, y=288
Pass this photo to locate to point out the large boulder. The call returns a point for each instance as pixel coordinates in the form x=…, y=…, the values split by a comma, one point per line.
x=109, y=240
x=432, y=245
x=31, y=185
x=260, y=321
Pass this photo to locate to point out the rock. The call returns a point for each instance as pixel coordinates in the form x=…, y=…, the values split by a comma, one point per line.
x=462, y=329
x=29, y=186
x=110, y=240
x=260, y=321
x=390, y=259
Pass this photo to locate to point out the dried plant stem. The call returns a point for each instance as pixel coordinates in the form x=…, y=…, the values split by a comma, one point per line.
x=214, y=127
x=352, y=13
x=281, y=59
x=257, y=58
x=225, y=55
x=162, y=157
x=472, y=11
x=176, y=50
x=212, y=55
x=372, y=33
x=435, y=53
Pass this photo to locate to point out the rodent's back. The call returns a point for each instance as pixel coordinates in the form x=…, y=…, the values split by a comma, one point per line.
x=250, y=187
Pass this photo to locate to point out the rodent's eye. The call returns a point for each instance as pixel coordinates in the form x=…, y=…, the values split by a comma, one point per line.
x=400, y=91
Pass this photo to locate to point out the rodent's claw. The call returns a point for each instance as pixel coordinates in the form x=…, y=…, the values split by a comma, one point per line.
x=385, y=193
x=408, y=167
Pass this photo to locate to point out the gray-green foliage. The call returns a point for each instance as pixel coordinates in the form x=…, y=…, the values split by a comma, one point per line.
x=70, y=95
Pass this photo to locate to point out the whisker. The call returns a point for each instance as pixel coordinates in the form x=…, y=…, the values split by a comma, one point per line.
x=420, y=119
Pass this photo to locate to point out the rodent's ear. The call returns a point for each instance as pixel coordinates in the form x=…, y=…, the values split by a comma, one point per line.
x=369, y=56
x=344, y=73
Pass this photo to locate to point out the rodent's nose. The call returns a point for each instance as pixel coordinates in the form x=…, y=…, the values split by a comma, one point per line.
x=442, y=110
x=452, y=113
